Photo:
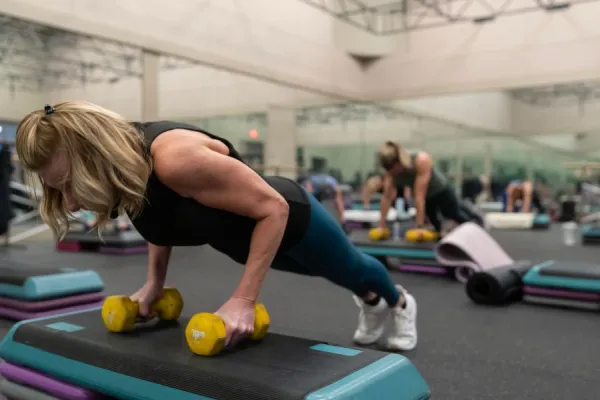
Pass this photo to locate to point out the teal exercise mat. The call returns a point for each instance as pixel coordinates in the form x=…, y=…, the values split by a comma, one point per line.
x=541, y=221
x=399, y=248
x=573, y=276
x=590, y=230
x=30, y=282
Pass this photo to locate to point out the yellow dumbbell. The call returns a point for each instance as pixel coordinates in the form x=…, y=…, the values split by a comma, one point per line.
x=420, y=235
x=120, y=313
x=206, y=333
x=377, y=234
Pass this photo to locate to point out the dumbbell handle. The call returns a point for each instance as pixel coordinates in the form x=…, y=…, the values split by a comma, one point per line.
x=254, y=332
x=153, y=309
x=136, y=304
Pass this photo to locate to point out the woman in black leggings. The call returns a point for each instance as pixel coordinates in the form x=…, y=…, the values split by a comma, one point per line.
x=433, y=194
x=183, y=186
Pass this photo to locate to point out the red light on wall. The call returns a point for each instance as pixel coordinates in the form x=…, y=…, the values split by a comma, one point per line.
x=253, y=134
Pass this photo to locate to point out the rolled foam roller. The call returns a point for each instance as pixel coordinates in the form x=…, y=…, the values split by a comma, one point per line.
x=499, y=285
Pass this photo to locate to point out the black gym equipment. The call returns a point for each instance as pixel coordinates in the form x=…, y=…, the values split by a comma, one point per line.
x=157, y=364
x=498, y=286
x=398, y=248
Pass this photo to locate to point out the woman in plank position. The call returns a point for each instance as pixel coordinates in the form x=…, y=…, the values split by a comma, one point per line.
x=526, y=193
x=432, y=193
x=182, y=186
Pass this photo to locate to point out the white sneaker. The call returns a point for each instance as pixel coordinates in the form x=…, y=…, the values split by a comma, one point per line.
x=371, y=321
x=404, y=328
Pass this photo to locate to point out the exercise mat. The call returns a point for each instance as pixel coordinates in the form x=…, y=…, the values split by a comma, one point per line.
x=368, y=216
x=499, y=285
x=20, y=315
x=15, y=391
x=46, y=384
x=470, y=249
x=506, y=220
x=52, y=304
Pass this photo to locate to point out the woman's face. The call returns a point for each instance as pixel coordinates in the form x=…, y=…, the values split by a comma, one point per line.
x=55, y=174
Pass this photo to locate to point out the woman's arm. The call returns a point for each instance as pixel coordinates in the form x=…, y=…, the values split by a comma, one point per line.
x=510, y=198
x=369, y=188
x=386, y=199
x=339, y=203
x=423, y=166
x=527, y=188
x=158, y=262
x=193, y=169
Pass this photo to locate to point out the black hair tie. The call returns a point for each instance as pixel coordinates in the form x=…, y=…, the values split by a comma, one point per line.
x=48, y=109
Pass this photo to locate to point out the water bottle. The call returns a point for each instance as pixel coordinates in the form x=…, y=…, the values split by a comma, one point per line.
x=400, y=207
x=396, y=230
x=569, y=233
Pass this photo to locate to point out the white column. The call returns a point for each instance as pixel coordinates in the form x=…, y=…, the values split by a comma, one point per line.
x=530, y=171
x=459, y=173
x=280, y=146
x=488, y=161
x=150, y=81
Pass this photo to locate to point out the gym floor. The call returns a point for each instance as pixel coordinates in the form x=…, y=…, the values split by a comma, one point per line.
x=465, y=352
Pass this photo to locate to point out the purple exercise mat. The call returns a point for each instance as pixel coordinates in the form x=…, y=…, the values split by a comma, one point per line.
x=425, y=269
x=45, y=305
x=20, y=315
x=130, y=250
x=36, y=380
x=566, y=294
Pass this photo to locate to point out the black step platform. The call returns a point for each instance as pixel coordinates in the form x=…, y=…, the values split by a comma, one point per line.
x=155, y=364
x=126, y=242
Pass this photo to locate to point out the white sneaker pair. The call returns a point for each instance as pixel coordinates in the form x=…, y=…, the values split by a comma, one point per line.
x=372, y=320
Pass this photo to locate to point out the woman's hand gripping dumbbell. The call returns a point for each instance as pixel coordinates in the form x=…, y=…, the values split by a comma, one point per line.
x=121, y=313
x=206, y=333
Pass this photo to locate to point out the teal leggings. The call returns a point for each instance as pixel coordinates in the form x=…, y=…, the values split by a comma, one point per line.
x=326, y=251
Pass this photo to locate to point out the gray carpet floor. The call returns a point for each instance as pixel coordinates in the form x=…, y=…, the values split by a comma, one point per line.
x=465, y=352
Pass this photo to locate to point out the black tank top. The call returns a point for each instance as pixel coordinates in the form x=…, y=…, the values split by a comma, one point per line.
x=169, y=219
x=399, y=189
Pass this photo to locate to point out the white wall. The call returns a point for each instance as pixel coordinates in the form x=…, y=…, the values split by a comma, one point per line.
x=490, y=111
x=373, y=130
x=555, y=118
x=288, y=41
x=193, y=92
x=520, y=50
x=283, y=41
x=565, y=142
x=557, y=124
x=14, y=106
x=485, y=110
x=236, y=129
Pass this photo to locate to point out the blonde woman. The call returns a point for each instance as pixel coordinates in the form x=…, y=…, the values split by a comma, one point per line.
x=432, y=193
x=182, y=186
